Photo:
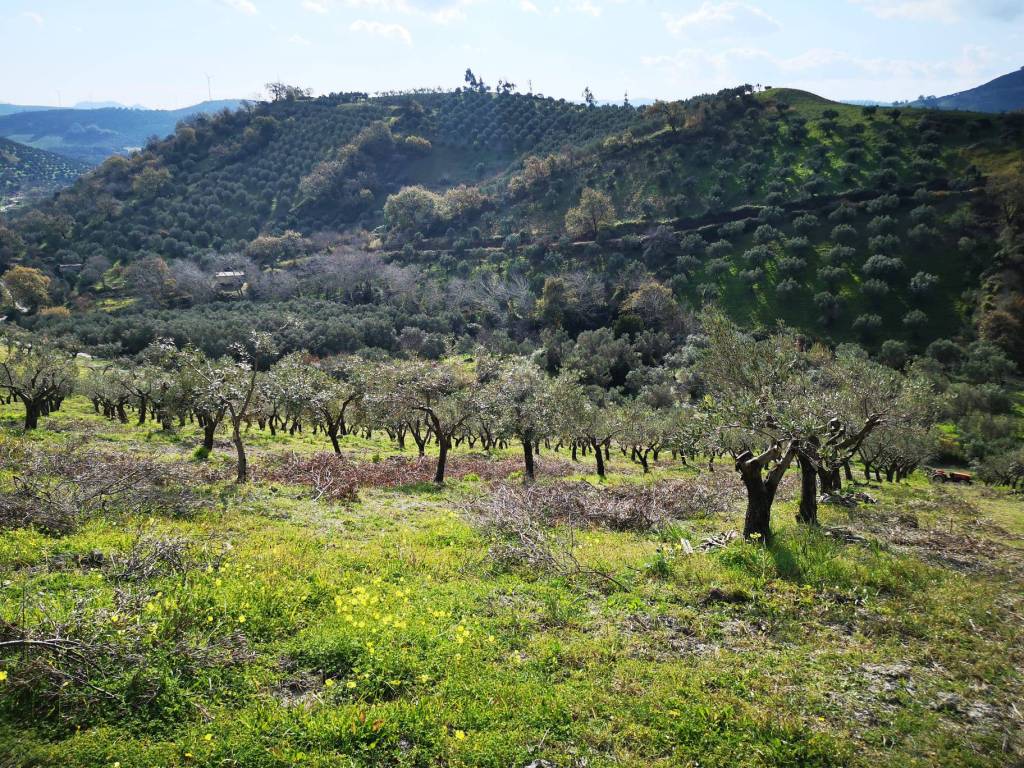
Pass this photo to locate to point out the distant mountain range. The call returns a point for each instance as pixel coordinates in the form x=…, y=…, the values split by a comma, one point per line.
x=29, y=171
x=13, y=109
x=91, y=135
x=1004, y=94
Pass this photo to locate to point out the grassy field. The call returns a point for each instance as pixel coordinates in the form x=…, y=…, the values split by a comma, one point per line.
x=268, y=628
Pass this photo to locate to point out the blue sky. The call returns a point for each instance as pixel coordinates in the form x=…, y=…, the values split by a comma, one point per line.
x=158, y=53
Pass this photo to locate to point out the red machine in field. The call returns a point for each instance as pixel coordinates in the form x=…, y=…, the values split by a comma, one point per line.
x=943, y=476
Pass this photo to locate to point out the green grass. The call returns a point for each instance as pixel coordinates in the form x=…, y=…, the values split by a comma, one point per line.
x=380, y=633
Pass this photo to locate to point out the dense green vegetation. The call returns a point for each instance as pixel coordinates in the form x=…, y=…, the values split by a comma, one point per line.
x=852, y=224
x=25, y=170
x=413, y=224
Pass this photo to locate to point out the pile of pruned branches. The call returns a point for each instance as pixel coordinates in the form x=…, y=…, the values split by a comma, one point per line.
x=54, y=489
x=617, y=508
x=83, y=664
x=338, y=478
x=534, y=525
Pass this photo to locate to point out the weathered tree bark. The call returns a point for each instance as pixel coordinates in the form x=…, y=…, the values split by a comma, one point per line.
x=443, y=445
x=332, y=432
x=209, y=429
x=31, y=415
x=760, y=489
x=830, y=480
x=600, y=459
x=242, y=475
x=528, y=470
x=808, y=513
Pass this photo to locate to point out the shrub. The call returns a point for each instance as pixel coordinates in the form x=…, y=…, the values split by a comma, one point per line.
x=844, y=234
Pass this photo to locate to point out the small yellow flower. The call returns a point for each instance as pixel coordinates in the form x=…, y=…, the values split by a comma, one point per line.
x=3, y=675
x=424, y=678
x=208, y=737
x=209, y=619
x=241, y=619
x=460, y=735
x=328, y=682
x=350, y=684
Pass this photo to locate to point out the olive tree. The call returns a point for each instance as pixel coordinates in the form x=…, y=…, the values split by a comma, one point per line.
x=38, y=373
x=595, y=210
x=445, y=394
x=228, y=385
x=336, y=386
x=522, y=404
x=586, y=417
x=776, y=402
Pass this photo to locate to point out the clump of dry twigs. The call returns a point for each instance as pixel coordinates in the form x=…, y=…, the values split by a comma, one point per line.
x=88, y=663
x=338, y=478
x=617, y=508
x=534, y=526
x=54, y=489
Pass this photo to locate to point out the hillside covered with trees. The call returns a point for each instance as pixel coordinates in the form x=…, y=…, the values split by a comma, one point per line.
x=854, y=224
x=26, y=170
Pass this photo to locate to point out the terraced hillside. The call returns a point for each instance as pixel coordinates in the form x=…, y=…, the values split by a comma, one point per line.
x=854, y=224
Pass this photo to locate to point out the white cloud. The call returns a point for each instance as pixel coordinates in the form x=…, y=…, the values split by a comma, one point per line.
x=34, y=17
x=314, y=7
x=919, y=10
x=585, y=6
x=243, y=6
x=527, y=7
x=438, y=11
x=380, y=29
x=836, y=73
x=299, y=40
x=945, y=11
x=718, y=13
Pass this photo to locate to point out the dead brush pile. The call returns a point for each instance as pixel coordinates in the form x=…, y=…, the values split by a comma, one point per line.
x=617, y=508
x=338, y=478
x=55, y=489
x=533, y=526
x=88, y=664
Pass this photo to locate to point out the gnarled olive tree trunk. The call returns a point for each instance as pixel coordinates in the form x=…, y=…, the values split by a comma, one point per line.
x=761, y=488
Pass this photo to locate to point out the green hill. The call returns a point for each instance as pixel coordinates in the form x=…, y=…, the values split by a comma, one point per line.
x=854, y=224
x=26, y=170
